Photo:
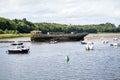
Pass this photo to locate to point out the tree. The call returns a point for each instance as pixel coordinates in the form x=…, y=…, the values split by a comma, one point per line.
x=1, y=31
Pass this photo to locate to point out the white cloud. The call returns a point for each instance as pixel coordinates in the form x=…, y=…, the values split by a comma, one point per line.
x=63, y=11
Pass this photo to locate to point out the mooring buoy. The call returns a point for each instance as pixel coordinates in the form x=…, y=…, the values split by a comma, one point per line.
x=67, y=58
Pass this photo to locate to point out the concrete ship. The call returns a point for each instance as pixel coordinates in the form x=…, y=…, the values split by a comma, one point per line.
x=58, y=36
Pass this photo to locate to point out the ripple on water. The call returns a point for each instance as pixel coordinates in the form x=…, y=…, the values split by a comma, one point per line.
x=47, y=62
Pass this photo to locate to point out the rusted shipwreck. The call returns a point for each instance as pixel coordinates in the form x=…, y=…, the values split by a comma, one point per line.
x=58, y=36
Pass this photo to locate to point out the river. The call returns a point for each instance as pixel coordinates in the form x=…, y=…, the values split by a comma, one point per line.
x=47, y=62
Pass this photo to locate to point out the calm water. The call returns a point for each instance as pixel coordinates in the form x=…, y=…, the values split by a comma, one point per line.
x=47, y=62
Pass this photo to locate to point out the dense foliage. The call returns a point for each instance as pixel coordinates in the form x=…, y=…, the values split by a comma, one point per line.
x=23, y=26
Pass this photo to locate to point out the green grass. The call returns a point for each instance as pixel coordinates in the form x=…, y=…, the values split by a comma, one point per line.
x=3, y=36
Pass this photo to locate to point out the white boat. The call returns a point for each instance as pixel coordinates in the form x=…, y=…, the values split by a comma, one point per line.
x=115, y=39
x=105, y=41
x=18, y=48
x=115, y=44
x=53, y=41
x=89, y=46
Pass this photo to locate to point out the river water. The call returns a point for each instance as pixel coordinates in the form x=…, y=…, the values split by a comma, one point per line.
x=47, y=62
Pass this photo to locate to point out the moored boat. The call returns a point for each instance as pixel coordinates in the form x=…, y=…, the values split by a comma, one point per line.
x=53, y=41
x=115, y=39
x=18, y=48
x=83, y=42
x=105, y=41
x=38, y=36
x=115, y=44
x=89, y=46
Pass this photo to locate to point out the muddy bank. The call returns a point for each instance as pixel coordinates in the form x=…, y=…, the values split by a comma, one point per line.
x=105, y=35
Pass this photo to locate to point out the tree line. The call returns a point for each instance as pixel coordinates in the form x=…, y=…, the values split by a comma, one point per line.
x=23, y=26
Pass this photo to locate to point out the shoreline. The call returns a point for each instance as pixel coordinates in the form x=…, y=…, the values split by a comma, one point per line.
x=102, y=35
x=7, y=37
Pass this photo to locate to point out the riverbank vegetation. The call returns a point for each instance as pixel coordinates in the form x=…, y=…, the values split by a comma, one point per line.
x=2, y=36
x=17, y=26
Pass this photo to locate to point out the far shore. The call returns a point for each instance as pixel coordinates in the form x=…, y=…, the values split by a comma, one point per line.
x=102, y=35
x=5, y=36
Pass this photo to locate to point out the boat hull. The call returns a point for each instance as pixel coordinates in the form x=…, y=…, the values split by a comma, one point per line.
x=18, y=51
x=39, y=37
x=83, y=42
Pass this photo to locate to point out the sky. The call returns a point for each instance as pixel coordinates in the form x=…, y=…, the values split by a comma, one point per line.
x=63, y=11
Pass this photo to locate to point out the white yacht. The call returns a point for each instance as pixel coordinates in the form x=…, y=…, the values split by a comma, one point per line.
x=18, y=48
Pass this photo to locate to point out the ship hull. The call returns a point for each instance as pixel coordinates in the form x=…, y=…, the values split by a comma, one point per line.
x=44, y=38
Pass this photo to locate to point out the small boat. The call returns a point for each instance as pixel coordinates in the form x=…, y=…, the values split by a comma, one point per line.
x=89, y=46
x=115, y=44
x=83, y=42
x=18, y=48
x=115, y=39
x=105, y=41
x=53, y=41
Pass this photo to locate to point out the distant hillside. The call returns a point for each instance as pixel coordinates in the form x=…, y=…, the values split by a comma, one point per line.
x=24, y=26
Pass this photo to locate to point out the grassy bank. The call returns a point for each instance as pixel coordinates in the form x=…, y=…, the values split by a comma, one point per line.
x=3, y=36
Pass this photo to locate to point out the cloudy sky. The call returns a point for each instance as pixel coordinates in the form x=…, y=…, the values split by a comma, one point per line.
x=62, y=11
